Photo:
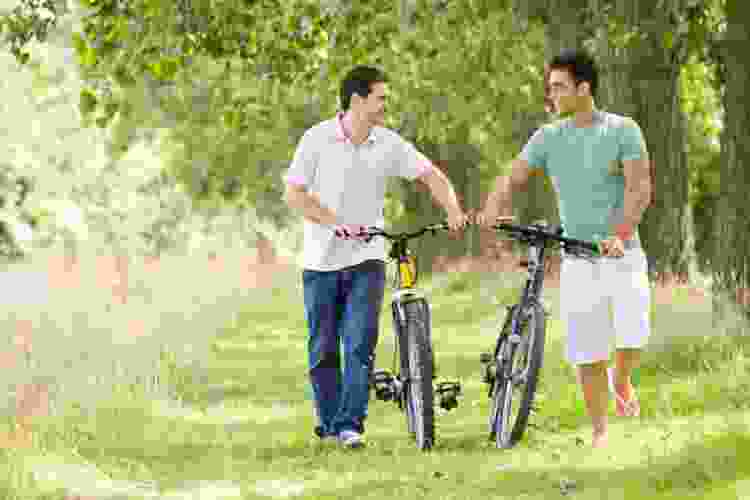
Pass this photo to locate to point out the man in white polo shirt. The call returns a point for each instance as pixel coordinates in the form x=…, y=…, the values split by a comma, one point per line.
x=337, y=180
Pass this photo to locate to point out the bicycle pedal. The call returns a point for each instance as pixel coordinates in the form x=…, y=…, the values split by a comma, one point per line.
x=448, y=393
x=449, y=387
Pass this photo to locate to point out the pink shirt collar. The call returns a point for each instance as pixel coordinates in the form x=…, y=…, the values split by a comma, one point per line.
x=344, y=128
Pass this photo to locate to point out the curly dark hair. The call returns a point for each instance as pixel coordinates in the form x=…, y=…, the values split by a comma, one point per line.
x=360, y=81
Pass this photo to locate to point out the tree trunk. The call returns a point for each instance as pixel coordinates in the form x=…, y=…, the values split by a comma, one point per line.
x=540, y=201
x=732, y=241
x=642, y=82
x=460, y=163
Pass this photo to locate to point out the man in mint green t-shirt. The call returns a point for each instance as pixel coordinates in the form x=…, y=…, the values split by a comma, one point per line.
x=598, y=164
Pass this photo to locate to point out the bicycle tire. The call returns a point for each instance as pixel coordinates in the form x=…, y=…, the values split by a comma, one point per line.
x=417, y=363
x=505, y=433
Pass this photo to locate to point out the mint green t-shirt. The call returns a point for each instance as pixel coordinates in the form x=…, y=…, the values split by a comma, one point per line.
x=585, y=167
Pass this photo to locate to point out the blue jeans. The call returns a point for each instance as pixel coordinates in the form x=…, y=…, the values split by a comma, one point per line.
x=342, y=305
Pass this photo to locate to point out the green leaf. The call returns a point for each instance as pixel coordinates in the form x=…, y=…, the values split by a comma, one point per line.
x=87, y=102
x=79, y=44
x=89, y=58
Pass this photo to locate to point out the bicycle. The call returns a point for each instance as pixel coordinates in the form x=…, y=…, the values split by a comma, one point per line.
x=412, y=385
x=522, y=334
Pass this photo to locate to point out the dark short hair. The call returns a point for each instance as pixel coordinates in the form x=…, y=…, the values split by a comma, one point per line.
x=360, y=81
x=581, y=66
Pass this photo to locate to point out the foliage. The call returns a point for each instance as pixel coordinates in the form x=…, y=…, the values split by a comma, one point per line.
x=255, y=92
x=75, y=191
x=27, y=21
x=233, y=85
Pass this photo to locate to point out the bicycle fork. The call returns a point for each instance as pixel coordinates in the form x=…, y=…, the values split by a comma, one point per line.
x=492, y=362
x=515, y=343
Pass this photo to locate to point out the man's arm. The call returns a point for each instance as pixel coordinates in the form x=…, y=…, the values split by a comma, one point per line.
x=636, y=169
x=298, y=198
x=441, y=190
x=637, y=193
x=299, y=177
x=499, y=202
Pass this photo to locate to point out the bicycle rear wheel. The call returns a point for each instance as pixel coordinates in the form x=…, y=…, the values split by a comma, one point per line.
x=417, y=364
x=516, y=378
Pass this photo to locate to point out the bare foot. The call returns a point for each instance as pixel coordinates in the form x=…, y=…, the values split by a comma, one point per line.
x=21, y=437
x=600, y=440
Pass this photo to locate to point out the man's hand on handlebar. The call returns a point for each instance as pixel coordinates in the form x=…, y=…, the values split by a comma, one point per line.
x=612, y=247
x=488, y=218
x=351, y=231
x=457, y=220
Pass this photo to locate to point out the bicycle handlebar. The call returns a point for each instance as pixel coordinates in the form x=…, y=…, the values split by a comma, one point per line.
x=571, y=245
x=376, y=231
x=518, y=231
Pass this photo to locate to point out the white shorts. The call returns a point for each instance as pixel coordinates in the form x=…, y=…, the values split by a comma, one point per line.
x=586, y=292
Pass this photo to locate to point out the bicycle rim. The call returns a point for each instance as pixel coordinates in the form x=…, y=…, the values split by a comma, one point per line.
x=502, y=405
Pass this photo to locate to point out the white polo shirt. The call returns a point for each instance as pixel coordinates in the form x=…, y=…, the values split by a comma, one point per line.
x=350, y=180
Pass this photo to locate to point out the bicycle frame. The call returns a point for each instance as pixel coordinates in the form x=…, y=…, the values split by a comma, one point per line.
x=405, y=290
x=532, y=290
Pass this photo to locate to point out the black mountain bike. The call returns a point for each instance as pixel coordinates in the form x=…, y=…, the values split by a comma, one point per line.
x=412, y=385
x=517, y=359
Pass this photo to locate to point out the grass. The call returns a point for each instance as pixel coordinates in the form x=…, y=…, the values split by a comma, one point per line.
x=239, y=424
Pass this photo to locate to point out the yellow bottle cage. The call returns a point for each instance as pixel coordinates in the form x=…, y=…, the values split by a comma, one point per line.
x=408, y=271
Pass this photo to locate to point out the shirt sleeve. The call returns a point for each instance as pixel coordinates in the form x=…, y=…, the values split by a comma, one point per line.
x=409, y=162
x=535, y=153
x=301, y=172
x=632, y=143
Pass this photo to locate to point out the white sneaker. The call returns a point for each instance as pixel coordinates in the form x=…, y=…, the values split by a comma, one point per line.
x=351, y=439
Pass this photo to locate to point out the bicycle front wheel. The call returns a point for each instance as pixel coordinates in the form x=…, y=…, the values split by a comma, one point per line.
x=516, y=381
x=418, y=366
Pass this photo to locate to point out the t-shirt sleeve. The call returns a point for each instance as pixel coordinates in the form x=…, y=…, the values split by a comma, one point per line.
x=535, y=153
x=301, y=172
x=632, y=143
x=409, y=163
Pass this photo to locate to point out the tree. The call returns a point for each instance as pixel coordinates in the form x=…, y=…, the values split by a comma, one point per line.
x=641, y=47
x=732, y=263
x=702, y=106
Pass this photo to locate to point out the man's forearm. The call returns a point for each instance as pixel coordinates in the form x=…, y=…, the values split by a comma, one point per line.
x=442, y=191
x=634, y=210
x=500, y=198
x=311, y=209
x=634, y=205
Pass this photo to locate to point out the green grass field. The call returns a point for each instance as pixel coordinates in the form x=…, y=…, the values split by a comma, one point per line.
x=243, y=427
